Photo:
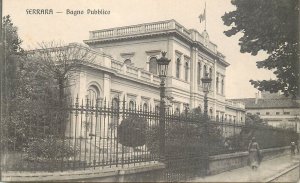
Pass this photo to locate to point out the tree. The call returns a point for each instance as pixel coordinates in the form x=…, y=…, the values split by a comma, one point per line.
x=62, y=61
x=271, y=26
x=11, y=38
x=12, y=53
x=253, y=119
x=26, y=87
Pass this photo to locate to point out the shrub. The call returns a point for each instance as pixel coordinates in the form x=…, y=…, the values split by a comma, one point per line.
x=185, y=133
x=132, y=131
x=50, y=148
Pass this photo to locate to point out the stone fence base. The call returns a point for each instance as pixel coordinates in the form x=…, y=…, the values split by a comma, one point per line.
x=140, y=172
x=226, y=162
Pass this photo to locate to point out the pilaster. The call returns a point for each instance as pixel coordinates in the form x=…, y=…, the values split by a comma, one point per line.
x=193, y=77
x=106, y=86
x=82, y=86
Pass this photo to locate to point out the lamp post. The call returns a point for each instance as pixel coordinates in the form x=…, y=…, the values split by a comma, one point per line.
x=206, y=81
x=163, y=64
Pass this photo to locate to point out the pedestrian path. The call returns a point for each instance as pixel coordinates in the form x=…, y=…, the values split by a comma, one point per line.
x=266, y=171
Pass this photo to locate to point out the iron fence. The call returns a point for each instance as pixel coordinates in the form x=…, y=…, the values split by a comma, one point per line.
x=89, y=134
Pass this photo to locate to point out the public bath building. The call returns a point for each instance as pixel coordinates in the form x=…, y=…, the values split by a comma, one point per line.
x=126, y=67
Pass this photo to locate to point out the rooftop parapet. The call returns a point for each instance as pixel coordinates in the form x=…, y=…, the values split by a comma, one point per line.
x=154, y=27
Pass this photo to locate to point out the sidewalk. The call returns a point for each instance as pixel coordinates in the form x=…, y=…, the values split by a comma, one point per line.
x=268, y=170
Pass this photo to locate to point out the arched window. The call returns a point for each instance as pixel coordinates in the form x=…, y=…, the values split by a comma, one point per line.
x=204, y=70
x=211, y=112
x=199, y=73
x=186, y=75
x=92, y=95
x=217, y=84
x=177, y=111
x=157, y=109
x=114, y=118
x=145, y=107
x=131, y=105
x=127, y=61
x=153, y=65
x=222, y=86
x=178, y=68
x=115, y=103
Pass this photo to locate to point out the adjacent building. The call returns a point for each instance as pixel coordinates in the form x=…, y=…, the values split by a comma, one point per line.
x=275, y=109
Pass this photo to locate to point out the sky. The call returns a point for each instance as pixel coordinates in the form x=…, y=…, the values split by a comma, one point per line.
x=33, y=29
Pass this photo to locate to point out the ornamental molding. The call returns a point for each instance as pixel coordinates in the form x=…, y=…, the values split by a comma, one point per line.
x=127, y=55
x=153, y=52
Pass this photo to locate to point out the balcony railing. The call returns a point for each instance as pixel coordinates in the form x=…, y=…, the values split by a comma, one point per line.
x=134, y=29
x=133, y=72
x=152, y=27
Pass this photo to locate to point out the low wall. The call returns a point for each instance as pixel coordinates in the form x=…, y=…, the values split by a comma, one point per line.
x=140, y=172
x=226, y=162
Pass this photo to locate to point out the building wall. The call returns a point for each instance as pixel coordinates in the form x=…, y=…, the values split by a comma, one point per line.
x=140, y=43
x=279, y=117
x=183, y=90
x=138, y=51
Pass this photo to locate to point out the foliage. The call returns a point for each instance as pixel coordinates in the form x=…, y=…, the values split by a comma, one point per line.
x=271, y=26
x=32, y=95
x=252, y=119
x=29, y=94
x=12, y=40
x=186, y=133
x=62, y=61
x=267, y=136
x=49, y=149
x=132, y=131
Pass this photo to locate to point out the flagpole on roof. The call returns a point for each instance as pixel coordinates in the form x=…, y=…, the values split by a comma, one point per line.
x=202, y=17
x=205, y=16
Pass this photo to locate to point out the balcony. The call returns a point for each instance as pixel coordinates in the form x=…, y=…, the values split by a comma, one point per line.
x=134, y=72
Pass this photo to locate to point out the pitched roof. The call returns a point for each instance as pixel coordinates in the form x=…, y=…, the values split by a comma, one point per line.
x=279, y=102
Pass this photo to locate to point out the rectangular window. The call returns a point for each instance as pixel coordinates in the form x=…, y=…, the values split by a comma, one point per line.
x=287, y=113
x=267, y=113
x=277, y=113
x=177, y=67
x=186, y=72
x=258, y=113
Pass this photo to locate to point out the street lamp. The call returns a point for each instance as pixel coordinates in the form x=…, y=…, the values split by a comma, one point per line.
x=163, y=64
x=206, y=82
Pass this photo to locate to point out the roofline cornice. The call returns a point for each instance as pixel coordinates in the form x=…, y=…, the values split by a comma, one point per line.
x=173, y=32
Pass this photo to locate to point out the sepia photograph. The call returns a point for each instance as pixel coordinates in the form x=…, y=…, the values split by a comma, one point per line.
x=150, y=91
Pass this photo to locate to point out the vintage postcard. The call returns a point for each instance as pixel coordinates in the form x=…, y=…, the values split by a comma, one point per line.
x=150, y=91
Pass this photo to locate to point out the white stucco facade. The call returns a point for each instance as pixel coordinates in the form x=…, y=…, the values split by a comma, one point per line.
x=129, y=69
